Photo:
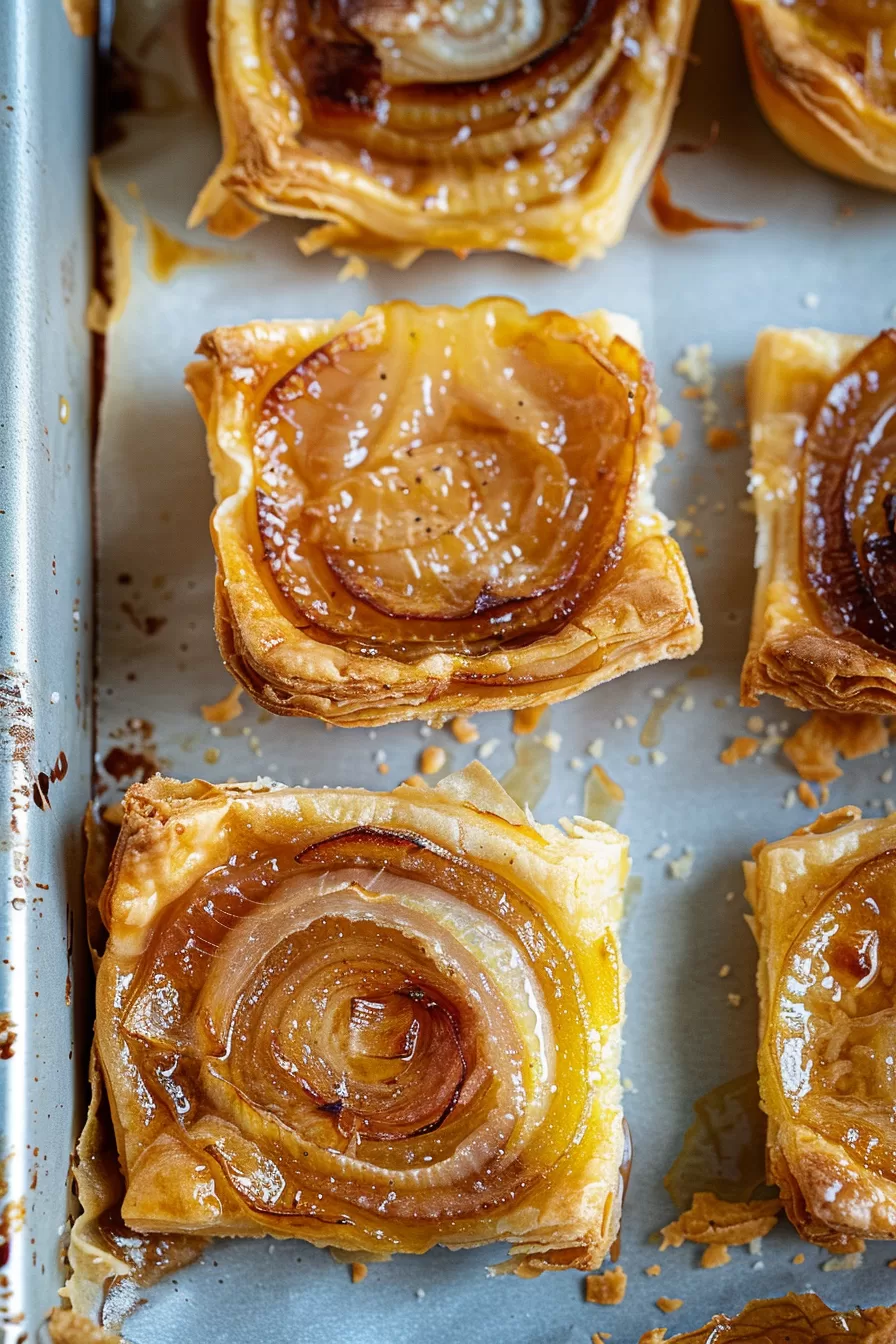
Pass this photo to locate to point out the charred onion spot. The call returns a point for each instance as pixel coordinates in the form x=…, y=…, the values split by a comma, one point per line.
x=849, y=550
x=832, y=1033
x=472, y=500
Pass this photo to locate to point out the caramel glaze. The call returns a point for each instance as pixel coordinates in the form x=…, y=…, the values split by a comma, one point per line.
x=799, y=1318
x=849, y=498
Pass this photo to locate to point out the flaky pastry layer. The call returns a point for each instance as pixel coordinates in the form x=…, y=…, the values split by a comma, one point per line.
x=266, y=167
x=211, y=1141
x=830, y=1195
x=641, y=612
x=813, y=100
x=791, y=654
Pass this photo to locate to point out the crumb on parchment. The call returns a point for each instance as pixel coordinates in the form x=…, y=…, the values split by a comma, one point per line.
x=713, y=1221
x=682, y=867
x=670, y=1304
x=222, y=711
x=358, y=1271
x=432, y=759
x=655, y=1336
x=714, y=1257
x=606, y=1289
x=815, y=744
x=653, y=1271
x=741, y=749
x=806, y=796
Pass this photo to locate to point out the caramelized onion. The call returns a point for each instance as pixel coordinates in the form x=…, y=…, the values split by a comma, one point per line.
x=798, y=1318
x=362, y=1037
x=414, y=494
x=849, y=497
x=832, y=1031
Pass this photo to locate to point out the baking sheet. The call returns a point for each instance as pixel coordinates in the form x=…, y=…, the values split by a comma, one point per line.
x=825, y=257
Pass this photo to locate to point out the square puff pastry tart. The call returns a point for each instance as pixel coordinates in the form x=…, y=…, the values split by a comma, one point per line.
x=428, y=512
x=824, y=920
x=824, y=623
x=528, y=128
x=377, y=1022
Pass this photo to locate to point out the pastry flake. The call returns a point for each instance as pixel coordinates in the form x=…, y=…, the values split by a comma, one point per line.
x=375, y=1022
x=798, y=1318
x=405, y=126
x=824, y=439
x=822, y=901
x=824, y=74
x=428, y=512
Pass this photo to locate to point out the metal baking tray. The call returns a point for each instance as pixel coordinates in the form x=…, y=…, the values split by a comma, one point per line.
x=825, y=257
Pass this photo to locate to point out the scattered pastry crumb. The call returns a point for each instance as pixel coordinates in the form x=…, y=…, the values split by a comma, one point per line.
x=464, y=730
x=416, y=781
x=701, y=552
x=355, y=268
x=633, y=759
x=628, y=1085
x=658, y=758
x=687, y=704
x=671, y=434
x=212, y=755
x=755, y=723
x=488, y=748
x=713, y=1221
x=789, y=798
x=576, y=763
x=660, y=852
x=887, y=776
x=811, y=300
x=798, y=1259
x=814, y=745
x=358, y=1272
x=806, y=796
x=655, y=1336
x=526, y=720
x=596, y=748
x=735, y=1000
x=741, y=749
x=684, y=527
x=718, y=439
x=432, y=759
x=843, y=1262
x=724, y=971
x=383, y=767
x=729, y=895
x=600, y=1335
x=669, y=1304
x=682, y=867
x=553, y=741
x=653, y=1271
x=606, y=1289
x=630, y=721
x=695, y=365
x=714, y=1257
x=891, y=1264
x=222, y=711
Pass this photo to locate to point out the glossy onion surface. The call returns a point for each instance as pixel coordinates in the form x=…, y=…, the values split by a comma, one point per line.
x=366, y=1034
x=832, y=1028
x=448, y=479
x=849, y=497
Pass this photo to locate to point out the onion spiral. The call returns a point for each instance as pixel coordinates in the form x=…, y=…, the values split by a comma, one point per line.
x=406, y=124
x=375, y=1022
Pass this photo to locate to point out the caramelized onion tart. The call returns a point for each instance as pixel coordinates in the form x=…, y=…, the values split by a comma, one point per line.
x=412, y=124
x=798, y=1318
x=823, y=905
x=823, y=412
x=375, y=1022
x=824, y=73
x=424, y=512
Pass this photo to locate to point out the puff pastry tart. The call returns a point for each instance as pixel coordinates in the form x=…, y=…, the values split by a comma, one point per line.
x=375, y=1022
x=413, y=124
x=823, y=906
x=424, y=512
x=823, y=412
x=798, y=1318
x=824, y=73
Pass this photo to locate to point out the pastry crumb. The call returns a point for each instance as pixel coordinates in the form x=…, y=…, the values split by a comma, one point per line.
x=683, y=866
x=789, y=798
x=670, y=1304
x=553, y=741
x=658, y=758
x=383, y=767
x=660, y=852
x=735, y=1000
x=891, y=1264
x=464, y=730
x=843, y=1262
x=212, y=755
x=653, y=1271
x=416, y=781
x=606, y=1289
x=756, y=723
x=671, y=434
x=806, y=796
x=798, y=1259
x=630, y=721
x=713, y=1221
x=813, y=747
x=355, y=268
x=811, y=300
x=596, y=748
x=488, y=748
x=724, y=971
x=655, y=1336
x=222, y=711
x=432, y=759
x=576, y=763
x=526, y=720
x=729, y=895
x=714, y=1257
x=358, y=1271
x=718, y=439
x=741, y=749
x=687, y=704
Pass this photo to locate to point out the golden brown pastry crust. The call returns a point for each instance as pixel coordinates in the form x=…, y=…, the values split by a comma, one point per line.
x=829, y=1195
x=798, y=1318
x=560, y=1213
x=266, y=167
x=641, y=611
x=814, y=101
x=791, y=654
